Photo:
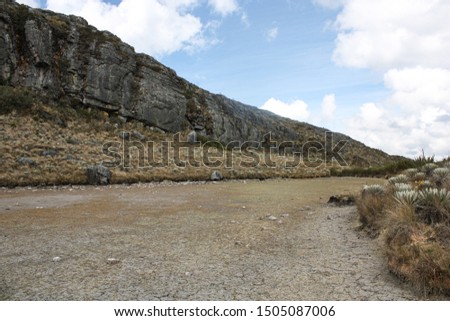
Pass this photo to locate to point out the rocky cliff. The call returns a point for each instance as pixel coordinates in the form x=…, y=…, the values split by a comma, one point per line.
x=66, y=60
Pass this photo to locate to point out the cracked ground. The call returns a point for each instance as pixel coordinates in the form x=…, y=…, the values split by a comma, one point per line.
x=236, y=240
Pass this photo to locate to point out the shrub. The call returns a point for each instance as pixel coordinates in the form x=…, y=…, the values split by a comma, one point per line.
x=429, y=168
x=441, y=175
x=420, y=176
x=399, y=179
x=411, y=172
x=14, y=99
x=398, y=187
x=407, y=197
x=373, y=190
x=434, y=205
x=371, y=210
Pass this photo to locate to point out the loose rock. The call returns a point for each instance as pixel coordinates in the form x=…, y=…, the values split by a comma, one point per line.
x=216, y=176
x=98, y=175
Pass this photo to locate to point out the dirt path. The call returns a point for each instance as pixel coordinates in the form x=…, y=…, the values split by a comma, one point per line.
x=271, y=240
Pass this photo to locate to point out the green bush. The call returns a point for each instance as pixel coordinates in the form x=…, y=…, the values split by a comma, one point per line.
x=14, y=99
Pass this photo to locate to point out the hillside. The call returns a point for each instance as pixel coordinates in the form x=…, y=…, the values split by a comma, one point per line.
x=88, y=84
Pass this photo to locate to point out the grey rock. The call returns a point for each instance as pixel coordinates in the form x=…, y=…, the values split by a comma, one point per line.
x=137, y=135
x=272, y=218
x=122, y=119
x=192, y=137
x=26, y=161
x=124, y=135
x=216, y=176
x=98, y=175
x=50, y=153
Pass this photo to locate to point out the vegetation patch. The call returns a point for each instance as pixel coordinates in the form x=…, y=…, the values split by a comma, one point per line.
x=412, y=213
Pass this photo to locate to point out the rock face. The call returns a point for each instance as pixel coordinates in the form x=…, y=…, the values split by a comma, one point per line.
x=68, y=61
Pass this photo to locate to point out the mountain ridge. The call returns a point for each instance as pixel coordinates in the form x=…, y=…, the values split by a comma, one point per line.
x=65, y=59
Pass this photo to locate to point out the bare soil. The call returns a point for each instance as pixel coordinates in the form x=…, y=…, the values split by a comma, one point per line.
x=235, y=240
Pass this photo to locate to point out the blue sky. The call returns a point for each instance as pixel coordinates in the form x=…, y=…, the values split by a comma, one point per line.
x=375, y=70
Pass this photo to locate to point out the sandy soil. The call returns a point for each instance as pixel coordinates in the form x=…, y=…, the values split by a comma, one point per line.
x=236, y=240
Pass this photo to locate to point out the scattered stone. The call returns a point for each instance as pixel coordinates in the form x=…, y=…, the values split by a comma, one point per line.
x=124, y=135
x=122, y=119
x=216, y=176
x=56, y=259
x=72, y=141
x=329, y=217
x=98, y=175
x=158, y=130
x=26, y=161
x=192, y=137
x=8, y=208
x=50, y=153
x=137, y=135
x=342, y=200
x=112, y=261
x=285, y=215
x=272, y=218
x=198, y=128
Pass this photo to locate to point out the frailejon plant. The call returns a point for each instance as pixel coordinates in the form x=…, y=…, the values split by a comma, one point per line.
x=429, y=168
x=373, y=190
x=441, y=175
x=411, y=173
x=405, y=197
x=399, y=187
x=434, y=205
x=420, y=176
x=399, y=179
x=433, y=197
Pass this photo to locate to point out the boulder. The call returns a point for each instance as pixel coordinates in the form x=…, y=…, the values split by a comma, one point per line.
x=192, y=137
x=98, y=175
x=216, y=176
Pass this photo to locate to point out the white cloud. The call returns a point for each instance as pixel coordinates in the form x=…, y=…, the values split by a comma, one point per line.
x=408, y=41
x=224, y=7
x=271, y=34
x=328, y=107
x=330, y=4
x=416, y=115
x=31, y=3
x=386, y=34
x=156, y=27
x=297, y=110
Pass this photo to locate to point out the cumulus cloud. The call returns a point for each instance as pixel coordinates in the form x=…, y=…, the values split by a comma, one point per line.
x=271, y=34
x=328, y=107
x=224, y=7
x=386, y=34
x=415, y=116
x=297, y=110
x=154, y=27
x=408, y=42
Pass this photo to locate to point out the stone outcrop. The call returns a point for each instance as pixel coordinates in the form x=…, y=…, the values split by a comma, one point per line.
x=68, y=61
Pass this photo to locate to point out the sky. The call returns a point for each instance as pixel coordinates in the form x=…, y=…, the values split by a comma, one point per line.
x=377, y=71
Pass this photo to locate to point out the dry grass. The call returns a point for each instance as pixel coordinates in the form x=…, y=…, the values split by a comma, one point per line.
x=418, y=249
x=61, y=142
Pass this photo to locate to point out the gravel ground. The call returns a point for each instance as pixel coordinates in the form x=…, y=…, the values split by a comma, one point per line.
x=237, y=240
